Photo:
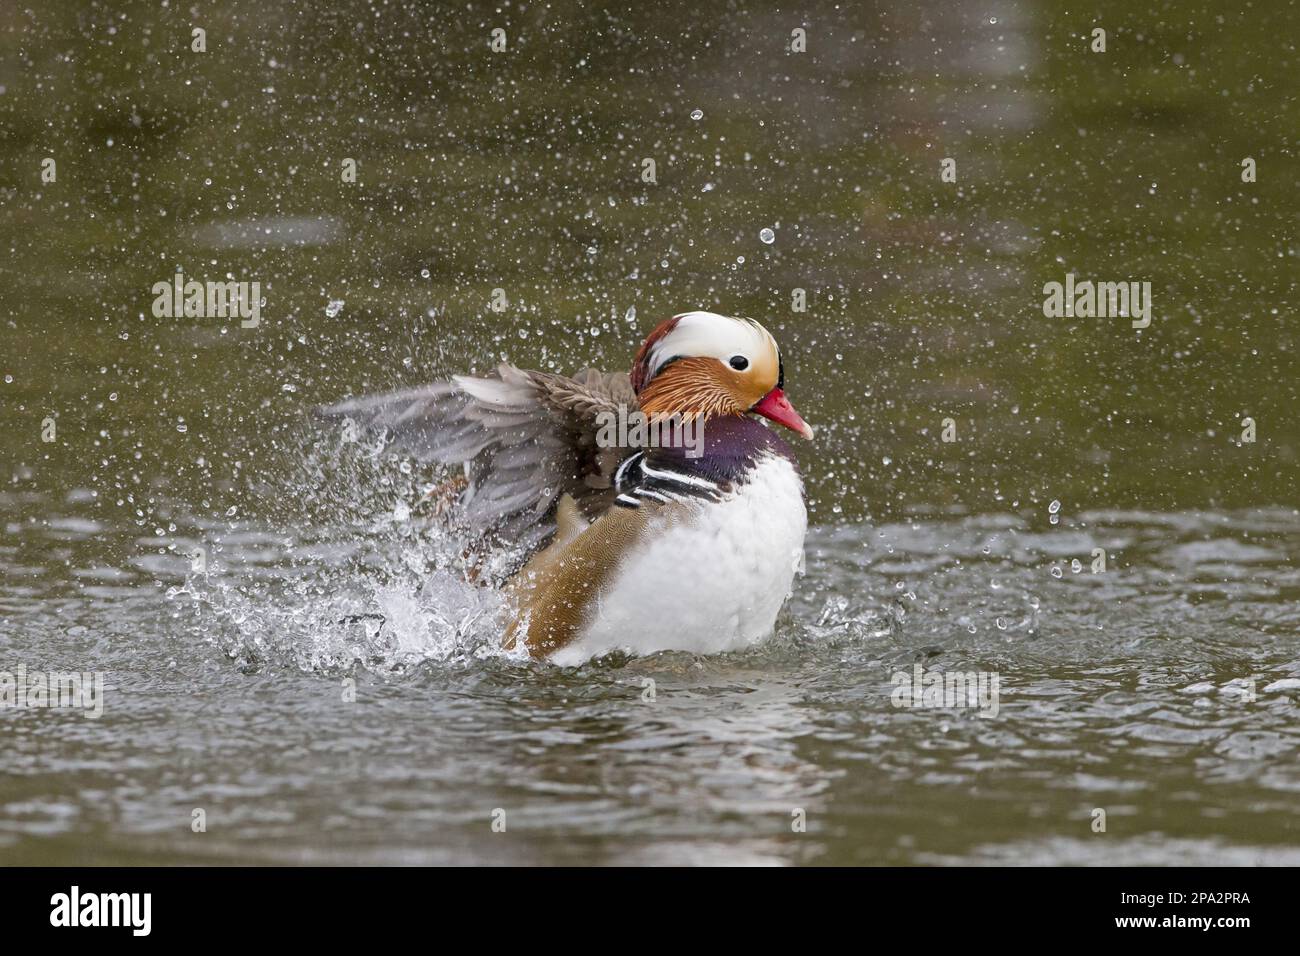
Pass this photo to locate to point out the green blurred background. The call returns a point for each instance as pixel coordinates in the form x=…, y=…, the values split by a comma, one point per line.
x=520, y=170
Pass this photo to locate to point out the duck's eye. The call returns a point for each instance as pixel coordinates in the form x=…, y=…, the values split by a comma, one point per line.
x=738, y=362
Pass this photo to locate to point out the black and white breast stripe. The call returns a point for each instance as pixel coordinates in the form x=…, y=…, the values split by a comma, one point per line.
x=637, y=481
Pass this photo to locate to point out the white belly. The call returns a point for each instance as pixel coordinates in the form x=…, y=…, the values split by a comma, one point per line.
x=708, y=585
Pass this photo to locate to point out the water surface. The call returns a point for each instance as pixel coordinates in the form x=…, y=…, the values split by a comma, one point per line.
x=1162, y=689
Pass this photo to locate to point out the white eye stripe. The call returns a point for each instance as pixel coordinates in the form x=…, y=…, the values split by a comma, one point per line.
x=708, y=334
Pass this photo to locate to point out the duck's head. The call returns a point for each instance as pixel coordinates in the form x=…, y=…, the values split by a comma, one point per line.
x=701, y=364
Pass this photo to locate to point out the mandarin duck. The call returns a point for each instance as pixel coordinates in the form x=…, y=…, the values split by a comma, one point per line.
x=683, y=532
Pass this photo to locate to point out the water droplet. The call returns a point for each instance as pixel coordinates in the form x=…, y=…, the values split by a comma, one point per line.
x=1054, y=519
x=630, y=316
x=1054, y=507
x=697, y=114
x=1056, y=572
x=767, y=235
x=334, y=308
x=1075, y=566
x=424, y=273
x=9, y=379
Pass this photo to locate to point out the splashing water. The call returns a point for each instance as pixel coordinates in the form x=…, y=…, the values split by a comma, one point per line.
x=377, y=584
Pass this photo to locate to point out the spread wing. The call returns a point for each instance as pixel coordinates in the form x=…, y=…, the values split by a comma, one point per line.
x=526, y=438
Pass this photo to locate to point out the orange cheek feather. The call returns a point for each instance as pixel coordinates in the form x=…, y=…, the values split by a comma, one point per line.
x=698, y=386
